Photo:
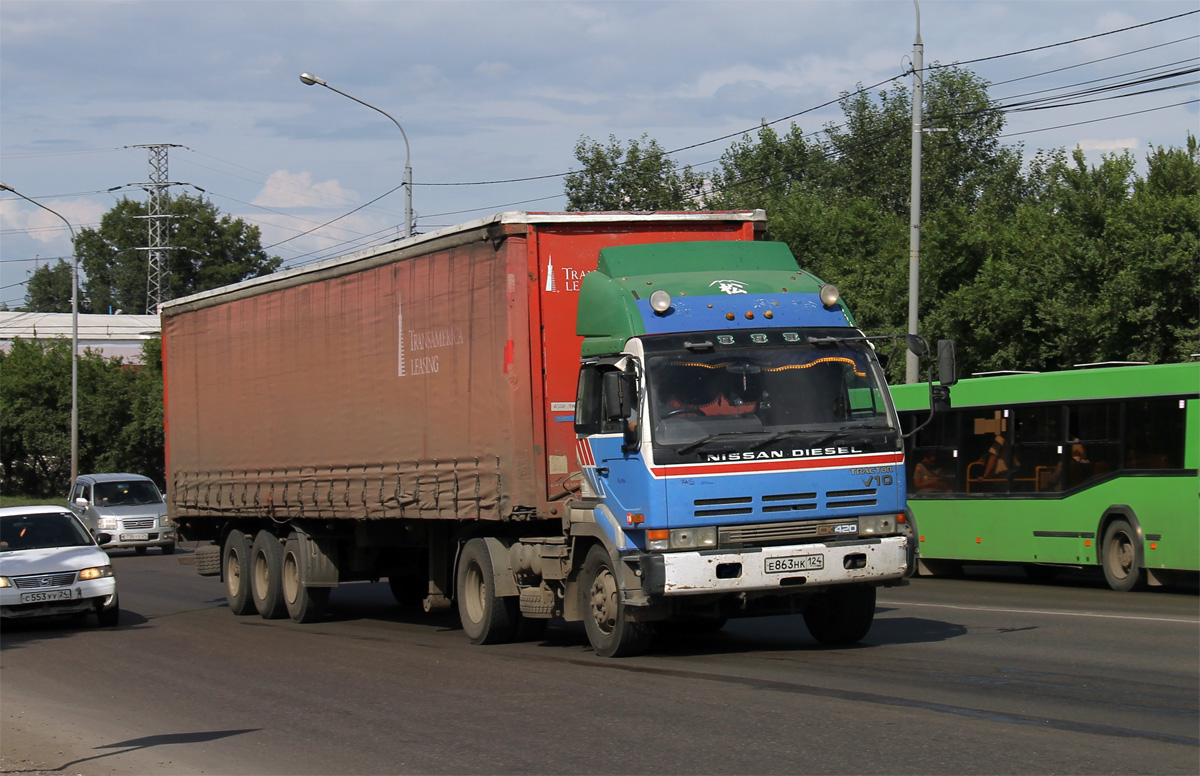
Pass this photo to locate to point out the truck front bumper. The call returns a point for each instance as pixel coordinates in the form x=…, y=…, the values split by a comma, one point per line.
x=773, y=568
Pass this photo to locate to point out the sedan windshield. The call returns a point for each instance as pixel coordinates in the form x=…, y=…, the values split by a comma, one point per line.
x=762, y=387
x=41, y=531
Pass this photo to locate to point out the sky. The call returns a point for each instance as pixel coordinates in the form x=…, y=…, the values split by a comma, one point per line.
x=499, y=91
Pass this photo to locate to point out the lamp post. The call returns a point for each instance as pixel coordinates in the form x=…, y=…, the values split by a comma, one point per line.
x=912, y=367
x=74, y=334
x=308, y=79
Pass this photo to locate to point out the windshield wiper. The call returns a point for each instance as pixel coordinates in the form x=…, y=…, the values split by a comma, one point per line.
x=712, y=438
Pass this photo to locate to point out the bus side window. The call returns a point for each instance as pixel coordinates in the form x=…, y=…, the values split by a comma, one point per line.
x=1093, y=448
x=1154, y=433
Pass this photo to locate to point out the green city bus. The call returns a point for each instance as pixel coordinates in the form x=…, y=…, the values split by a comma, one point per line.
x=1081, y=468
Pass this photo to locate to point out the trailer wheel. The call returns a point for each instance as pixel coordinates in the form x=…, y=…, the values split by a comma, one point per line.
x=486, y=618
x=266, y=568
x=1121, y=571
x=236, y=564
x=608, y=630
x=842, y=615
x=303, y=603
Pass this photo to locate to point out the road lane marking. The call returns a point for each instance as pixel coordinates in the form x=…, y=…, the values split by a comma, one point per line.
x=1048, y=612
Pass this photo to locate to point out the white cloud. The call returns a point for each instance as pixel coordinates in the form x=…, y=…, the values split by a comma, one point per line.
x=495, y=70
x=1120, y=144
x=285, y=189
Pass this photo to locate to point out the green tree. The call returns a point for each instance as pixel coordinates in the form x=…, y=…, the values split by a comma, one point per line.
x=49, y=289
x=120, y=416
x=207, y=250
x=638, y=177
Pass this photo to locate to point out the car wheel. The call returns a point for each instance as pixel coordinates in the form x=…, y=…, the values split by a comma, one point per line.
x=140, y=550
x=169, y=549
x=110, y=617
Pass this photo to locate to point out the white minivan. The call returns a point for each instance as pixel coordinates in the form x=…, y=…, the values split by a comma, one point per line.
x=123, y=511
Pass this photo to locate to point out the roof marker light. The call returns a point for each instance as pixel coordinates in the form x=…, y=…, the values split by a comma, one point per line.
x=829, y=295
x=660, y=301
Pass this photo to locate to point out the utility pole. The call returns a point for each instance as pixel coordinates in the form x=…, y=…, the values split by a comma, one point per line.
x=157, y=203
x=912, y=371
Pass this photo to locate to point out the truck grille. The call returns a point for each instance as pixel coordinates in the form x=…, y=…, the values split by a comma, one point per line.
x=37, y=581
x=769, y=534
x=782, y=503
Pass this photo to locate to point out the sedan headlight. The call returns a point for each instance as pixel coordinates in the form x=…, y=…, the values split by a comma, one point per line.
x=5, y=582
x=107, y=524
x=96, y=572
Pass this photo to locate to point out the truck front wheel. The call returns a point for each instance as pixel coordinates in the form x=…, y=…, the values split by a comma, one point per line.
x=266, y=568
x=486, y=618
x=842, y=615
x=304, y=604
x=609, y=632
x=235, y=564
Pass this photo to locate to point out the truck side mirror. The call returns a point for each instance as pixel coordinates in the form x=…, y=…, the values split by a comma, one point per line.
x=916, y=345
x=947, y=363
x=620, y=395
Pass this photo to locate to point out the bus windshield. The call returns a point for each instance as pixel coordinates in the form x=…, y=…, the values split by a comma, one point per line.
x=767, y=385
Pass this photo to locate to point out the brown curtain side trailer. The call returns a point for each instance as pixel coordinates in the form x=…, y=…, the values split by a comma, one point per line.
x=395, y=385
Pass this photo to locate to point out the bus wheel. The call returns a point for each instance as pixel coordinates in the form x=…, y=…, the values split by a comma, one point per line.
x=486, y=618
x=266, y=568
x=842, y=615
x=303, y=603
x=610, y=633
x=1119, y=554
x=236, y=565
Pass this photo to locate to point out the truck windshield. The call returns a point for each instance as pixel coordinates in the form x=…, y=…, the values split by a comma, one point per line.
x=748, y=389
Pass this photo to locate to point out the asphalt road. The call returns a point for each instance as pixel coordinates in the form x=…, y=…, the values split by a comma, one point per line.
x=956, y=677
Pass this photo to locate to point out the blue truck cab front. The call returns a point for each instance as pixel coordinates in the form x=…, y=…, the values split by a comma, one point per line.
x=736, y=436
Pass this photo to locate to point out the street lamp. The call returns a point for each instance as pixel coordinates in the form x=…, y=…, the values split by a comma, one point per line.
x=308, y=79
x=912, y=368
x=74, y=334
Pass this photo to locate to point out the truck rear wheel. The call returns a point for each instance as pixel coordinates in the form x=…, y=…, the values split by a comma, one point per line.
x=266, y=568
x=486, y=618
x=236, y=566
x=303, y=603
x=842, y=615
x=609, y=632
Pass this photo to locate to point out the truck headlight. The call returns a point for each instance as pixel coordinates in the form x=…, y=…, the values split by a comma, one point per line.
x=694, y=538
x=106, y=524
x=700, y=538
x=96, y=572
x=877, y=525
